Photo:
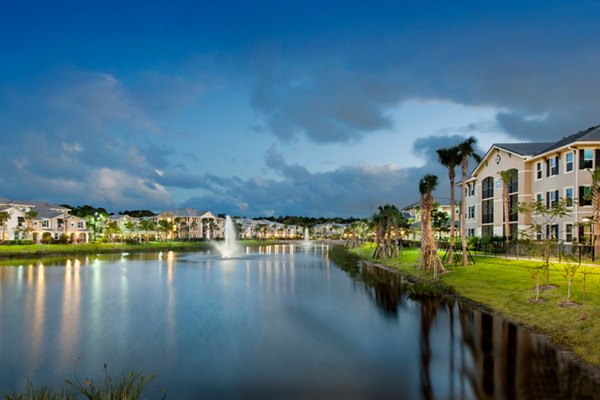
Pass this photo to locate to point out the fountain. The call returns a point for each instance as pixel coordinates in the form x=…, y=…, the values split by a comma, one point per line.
x=228, y=248
x=306, y=241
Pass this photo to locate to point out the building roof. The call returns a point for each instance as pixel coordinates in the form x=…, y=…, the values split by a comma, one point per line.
x=524, y=149
x=589, y=135
x=186, y=212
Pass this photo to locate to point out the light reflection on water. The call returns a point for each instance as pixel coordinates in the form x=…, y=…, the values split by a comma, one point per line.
x=280, y=321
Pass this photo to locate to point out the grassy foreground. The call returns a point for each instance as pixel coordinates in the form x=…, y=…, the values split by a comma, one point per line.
x=507, y=287
x=87, y=248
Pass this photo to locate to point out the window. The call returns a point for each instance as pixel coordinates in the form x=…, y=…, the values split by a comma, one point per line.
x=35, y=223
x=80, y=225
x=72, y=224
x=487, y=188
x=538, y=170
x=471, y=212
x=46, y=223
x=569, y=196
x=552, y=166
x=472, y=189
x=471, y=232
x=487, y=231
x=585, y=196
x=569, y=162
x=551, y=199
x=568, y=232
x=487, y=211
x=552, y=232
x=587, y=159
x=539, y=198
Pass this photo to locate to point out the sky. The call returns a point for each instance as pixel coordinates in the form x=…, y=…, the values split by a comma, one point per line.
x=328, y=108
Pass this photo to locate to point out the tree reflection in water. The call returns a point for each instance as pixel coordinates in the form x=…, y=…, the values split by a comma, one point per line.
x=498, y=359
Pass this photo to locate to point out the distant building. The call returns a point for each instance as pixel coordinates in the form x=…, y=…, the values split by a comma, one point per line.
x=51, y=222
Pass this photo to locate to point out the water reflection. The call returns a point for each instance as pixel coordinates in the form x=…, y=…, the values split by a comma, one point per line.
x=280, y=320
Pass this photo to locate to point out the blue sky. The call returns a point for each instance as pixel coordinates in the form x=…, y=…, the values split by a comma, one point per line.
x=280, y=107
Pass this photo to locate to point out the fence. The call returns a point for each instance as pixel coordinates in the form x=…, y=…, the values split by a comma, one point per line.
x=535, y=250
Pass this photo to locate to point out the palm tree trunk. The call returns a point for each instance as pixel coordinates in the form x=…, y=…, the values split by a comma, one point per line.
x=463, y=211
x=506, y=201
x=452, y=218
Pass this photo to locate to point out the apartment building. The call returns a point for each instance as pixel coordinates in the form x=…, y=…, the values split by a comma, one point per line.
x=37, y=220
x=546, y=172
x=190, y=223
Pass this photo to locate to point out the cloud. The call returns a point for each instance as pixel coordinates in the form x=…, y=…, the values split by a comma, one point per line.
x=327, y=104
x=344, y=191
x=542, y=75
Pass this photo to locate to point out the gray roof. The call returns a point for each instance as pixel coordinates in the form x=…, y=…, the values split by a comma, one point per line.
x=186, y=212
x=524, y=149
x=589, y=135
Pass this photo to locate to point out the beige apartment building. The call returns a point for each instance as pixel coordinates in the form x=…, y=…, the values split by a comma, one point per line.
x=543, y=172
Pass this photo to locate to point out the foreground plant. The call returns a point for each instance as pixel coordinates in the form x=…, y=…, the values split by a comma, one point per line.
x=129, y=387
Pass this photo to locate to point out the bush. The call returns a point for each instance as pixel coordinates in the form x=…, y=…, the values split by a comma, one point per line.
x=21, y=242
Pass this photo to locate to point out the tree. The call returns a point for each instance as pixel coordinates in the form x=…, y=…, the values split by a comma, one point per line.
x=429, y=258
x=466, y=150
x=542, y=225
x=112, y=229
x=595, y=194
x=507, y=177
x=30, y=216
x=4, y=216
x=166, y=227
x=131, y=227
x=147, y=225
x=388, y=222
x=450, y=158
x=439, y=221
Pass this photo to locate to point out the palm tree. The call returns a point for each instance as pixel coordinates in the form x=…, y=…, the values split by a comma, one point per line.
x=595, y=192
x=29, y=217
x=4, y=216
x=166, y=227
x=147, y=225
x=506, y=177
x=466, y=150
x=131, y=227
x=449, y=157
x=429, y=258
x=112, y=229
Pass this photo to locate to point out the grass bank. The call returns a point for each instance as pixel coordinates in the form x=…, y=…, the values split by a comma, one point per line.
x=40, y=250
x=506, y=287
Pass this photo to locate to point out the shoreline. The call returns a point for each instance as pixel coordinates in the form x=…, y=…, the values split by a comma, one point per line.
x=450, y=292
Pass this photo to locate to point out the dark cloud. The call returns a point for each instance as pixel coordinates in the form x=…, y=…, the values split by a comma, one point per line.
x=327, y=103
x=542, y=76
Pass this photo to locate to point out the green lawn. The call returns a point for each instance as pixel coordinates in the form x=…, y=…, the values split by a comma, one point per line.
x=507, y=286
x=53, y=249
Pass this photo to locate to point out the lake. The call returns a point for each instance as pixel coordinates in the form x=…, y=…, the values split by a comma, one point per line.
x=279, y=322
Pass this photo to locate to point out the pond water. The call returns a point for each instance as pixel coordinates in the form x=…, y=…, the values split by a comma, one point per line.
x=278, y=322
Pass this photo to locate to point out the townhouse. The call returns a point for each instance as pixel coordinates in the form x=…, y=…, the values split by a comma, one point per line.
x=544, y=171
x=41, y=221
x=189, y=223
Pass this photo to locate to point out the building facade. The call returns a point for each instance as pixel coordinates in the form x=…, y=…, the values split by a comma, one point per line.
x=544, y=172
x=41, y=221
